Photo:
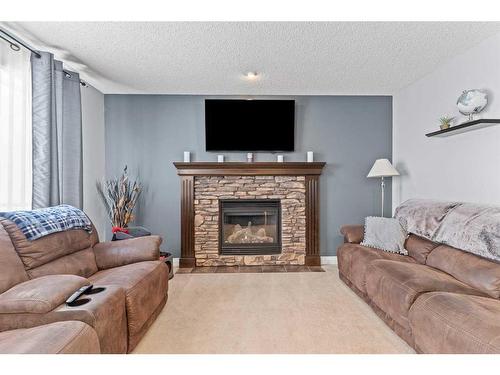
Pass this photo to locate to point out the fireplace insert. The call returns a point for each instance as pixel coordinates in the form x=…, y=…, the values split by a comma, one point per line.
x=249, y=227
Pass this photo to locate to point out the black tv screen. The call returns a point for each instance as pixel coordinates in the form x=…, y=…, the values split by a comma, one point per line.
x=249, y=125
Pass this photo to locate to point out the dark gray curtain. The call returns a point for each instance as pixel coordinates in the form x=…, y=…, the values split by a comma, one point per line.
x=57, y=134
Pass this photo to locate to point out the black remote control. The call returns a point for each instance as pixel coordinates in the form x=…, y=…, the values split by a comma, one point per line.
x=78, y=293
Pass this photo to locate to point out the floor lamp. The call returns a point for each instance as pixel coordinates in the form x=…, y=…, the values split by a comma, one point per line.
x=382, y=168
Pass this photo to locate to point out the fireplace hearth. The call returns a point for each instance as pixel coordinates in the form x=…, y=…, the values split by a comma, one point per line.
x=249, y=227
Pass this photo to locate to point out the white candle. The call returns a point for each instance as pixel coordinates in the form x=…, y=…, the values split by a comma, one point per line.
x=220, y=158
x=187, y=156
x=250, y=157
x=310, y=156
x=280, y=158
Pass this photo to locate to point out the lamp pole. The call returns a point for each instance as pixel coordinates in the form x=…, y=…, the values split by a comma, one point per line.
x=382, y=185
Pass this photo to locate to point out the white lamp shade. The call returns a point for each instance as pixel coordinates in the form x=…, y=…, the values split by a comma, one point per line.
x=382, y=168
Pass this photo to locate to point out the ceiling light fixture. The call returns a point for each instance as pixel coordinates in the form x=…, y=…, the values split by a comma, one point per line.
x=252, y=75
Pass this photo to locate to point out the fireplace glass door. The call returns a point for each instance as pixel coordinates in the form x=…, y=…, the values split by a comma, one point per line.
x=250, y=227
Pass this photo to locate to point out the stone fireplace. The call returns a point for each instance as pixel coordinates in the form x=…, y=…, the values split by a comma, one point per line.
x=249, y=214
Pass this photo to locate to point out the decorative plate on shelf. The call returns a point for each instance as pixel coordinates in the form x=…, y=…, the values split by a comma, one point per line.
x=472, y=102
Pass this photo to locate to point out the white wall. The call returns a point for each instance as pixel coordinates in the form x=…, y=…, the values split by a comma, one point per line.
x=93, y=155
x=463, y=167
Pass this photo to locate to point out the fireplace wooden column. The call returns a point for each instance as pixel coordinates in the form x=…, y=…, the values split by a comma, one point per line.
x=313, y=257
x=187, y=259
x=189, y=171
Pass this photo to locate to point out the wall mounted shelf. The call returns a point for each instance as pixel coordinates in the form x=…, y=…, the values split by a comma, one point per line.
x=464, y=127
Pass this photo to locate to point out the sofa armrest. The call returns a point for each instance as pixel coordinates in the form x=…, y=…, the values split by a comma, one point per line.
x=133, y=250
x=353, y=233
x=40, y=295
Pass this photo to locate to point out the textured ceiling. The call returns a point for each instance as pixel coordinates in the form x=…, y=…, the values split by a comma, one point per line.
x=291, y=58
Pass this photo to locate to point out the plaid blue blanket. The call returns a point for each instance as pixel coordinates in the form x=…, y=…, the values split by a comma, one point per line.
x=41, y=222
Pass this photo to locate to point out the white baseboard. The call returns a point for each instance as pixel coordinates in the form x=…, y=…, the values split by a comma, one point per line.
x=331, y=259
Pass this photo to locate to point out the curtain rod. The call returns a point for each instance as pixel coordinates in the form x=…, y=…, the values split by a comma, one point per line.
x=15, y=46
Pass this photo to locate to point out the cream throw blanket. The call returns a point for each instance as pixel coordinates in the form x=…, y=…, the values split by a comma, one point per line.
x=470, y=227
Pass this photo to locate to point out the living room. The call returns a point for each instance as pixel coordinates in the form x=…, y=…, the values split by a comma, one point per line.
x=286, y=185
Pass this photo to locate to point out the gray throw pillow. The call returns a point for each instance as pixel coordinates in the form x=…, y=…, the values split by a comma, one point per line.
x=385, y=234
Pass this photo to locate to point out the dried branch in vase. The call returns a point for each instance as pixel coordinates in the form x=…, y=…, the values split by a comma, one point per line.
x=120, y=197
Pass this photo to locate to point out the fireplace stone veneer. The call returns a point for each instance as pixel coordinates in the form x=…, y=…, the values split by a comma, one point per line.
x=291, y=192
x=294, y=185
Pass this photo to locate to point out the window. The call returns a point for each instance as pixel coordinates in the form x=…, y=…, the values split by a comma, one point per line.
x=15, y=129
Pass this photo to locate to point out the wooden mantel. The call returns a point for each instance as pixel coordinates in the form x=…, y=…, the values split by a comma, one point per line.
x=188, y=172
x=249, y=169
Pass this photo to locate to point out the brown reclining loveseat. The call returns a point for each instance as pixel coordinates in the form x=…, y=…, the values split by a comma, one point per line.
x=36, y=278
x=438, y=299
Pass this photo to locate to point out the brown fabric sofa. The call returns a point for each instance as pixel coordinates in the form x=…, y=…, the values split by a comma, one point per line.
x=36, y=277
x=438, y=299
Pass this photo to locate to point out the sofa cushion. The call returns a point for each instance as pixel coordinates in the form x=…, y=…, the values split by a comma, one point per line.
x=48, y=248
x=56, y=338
x=480, y=273
x=419, y=248
x=133, y=250
x=40, y=295
x=146, y=286
x=394, y=286
x=81, y=263
x=455, y=323
x=353, y=260
x=12, y=270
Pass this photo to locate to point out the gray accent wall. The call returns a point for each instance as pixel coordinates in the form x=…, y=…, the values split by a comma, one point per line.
x=149, y=132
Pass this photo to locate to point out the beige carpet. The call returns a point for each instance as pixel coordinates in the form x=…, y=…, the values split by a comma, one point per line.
x=310, y=312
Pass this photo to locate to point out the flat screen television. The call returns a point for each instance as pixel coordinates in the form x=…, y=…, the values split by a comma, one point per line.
x=249, y=125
